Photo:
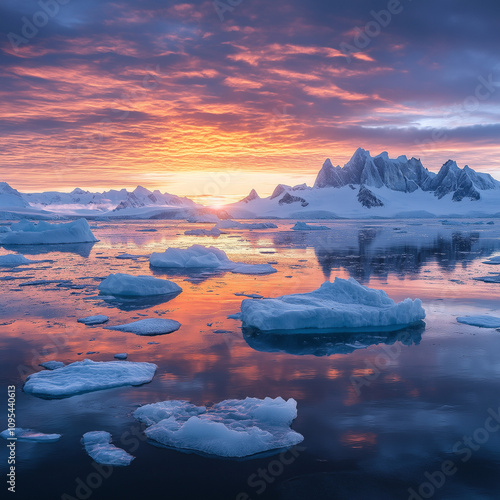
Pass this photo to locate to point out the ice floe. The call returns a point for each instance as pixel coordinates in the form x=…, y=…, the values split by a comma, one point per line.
x=233, y=224
x=344, y=305
x=231, y=428
x=87, y=376
x=98, y=319
x=43, y=233
x=203, y=232
x=29, y=435
x=13, y=260
x=481, y=320
x=52, y=365
x=149, y=326
x=98, y=445
x=126, y=285
x=494, y=261
x=492, y=278
x=200, y=257
x=121, y=355
x=303, y=226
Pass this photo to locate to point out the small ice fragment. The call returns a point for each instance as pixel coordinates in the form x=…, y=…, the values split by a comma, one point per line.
x=29, y=435
x=150, y=326
x=98, y=319
x=98, y=445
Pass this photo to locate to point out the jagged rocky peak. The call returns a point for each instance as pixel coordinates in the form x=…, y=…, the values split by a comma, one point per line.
x=405, y=175
x=279, y=190
x=368, y=199
x=252, y=196
x=11, y=197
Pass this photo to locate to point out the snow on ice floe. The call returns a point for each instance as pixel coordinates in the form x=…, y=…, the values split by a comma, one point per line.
x=126, y=285
x=87, y=376
x=13, y=260
x=200, y=257
x=43, y=233
x=29, y=435
x=52, y=365
x=98, y=319
x=481, y=321
x=98, y=445
x=233, y=224
x=494, y=261
x=231, y=428
x=303, y=226
x=149, y=326
x=203, y=232
x=344, y=305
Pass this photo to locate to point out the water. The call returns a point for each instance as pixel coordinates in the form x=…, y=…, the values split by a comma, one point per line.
x=380, y=413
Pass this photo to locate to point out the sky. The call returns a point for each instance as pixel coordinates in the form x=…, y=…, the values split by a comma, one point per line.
x=213, y=98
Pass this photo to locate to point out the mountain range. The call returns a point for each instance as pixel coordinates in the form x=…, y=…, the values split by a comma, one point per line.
x=364, y=187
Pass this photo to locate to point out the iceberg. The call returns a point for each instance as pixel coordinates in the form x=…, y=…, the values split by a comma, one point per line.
x=481, y=321
x=126, y=285
x=200, y=257
x=98, y=445
x=44, y=233
x=303, y=226
x=231, y=428
x=14, y=260
x=87, y=376
x=29, y=435
x=98, y=319
x=149, y=326
x=342, y=306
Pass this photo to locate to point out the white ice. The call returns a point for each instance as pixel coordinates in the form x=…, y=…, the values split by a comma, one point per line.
x=126, y=285
x=232, y=428
x=98, y=319
x=482, y=321
x=303, y=226
x=203, y=232
x=42, y=233
x=98, y=445
x=343, y=305
x=149, y=326
x=200, y=257
x=87, y=376
x=13, y=260
x=52, y=365
x=29, y=435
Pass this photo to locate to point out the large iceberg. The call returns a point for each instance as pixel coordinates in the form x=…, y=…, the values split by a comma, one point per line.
x=200, y=257
x=98, y=445
x=344, y=305
x=29, y=435
x=231, y=428
x=87, y=376
x=126, y=285
x=44, y=233
x=148, y=326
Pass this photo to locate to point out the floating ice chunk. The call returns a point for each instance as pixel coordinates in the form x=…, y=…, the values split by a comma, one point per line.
x=482, y=321
x=98, y=445
x=343, y=305
x=29, y=435
x=122, y=355
x=13, y=260
x=29, y=233
x=232, y=428
x=130, y=256
x=149, y=326
x=203, y=232
x=87, y=376
x=494, y=261
x=233, y=224
x=52, y=365
x=492, y=278
x=303, y=226
x=200, y=257
x=98, y=319
x=125, y=285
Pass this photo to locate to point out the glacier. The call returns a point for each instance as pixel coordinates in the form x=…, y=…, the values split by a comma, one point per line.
x=344, y=305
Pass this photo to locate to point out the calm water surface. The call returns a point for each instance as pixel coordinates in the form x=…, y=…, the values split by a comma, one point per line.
x=380, y=414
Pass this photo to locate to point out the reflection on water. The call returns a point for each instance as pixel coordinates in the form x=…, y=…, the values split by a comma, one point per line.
x=372, y=440
x=329, y=344
x=136, y=303
x=82, y=249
